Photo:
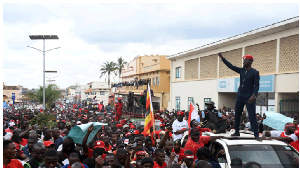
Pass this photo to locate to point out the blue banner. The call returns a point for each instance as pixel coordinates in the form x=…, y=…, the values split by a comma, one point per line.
x=266, y=83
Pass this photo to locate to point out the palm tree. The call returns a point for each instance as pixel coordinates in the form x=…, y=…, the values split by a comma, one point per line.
x=120, y=64
x=108, y=68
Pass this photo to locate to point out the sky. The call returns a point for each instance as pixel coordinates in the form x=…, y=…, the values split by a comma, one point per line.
x=91, y=33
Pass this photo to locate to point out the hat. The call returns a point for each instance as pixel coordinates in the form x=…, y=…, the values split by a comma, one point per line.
x=210, y=102
x=99, y=144
x=195, y=131
x=128, y=134
x=162, y=125
x=132, y=127
x=136, y=132
x=162, y=132
x=180, y=113
x=140, y=153
x=48, y=143
x=125, y=126
x=249, y=57
x=119, y=99
x=119, y=125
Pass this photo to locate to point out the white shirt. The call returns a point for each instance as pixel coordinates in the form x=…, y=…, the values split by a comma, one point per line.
x=178, y=126
x=275, y=133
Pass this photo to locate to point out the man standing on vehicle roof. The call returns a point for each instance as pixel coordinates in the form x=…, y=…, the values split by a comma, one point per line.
x=118, y=108
x=247, y=92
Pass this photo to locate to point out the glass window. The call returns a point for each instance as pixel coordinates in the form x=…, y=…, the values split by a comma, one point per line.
x=268, y=156
x=205, y=101
x=157, y=80
x=177, y=103
x=178, y=71
x=153, y=81
x=190, y=99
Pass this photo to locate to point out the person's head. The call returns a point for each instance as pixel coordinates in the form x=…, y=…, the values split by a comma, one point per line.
x=31, y=141
x=203, y=164
x=47, y=134
x=73, y=157
x=188, y=158
x=139, y=142
x=121, y=156
x=138, y=164
x=56, y=133
x=9, y=149
x=147, y=162
x=203, y=154
x=177, y=145
x=180, y=116
x=168, y=146
x=194, y=123
x=289, y=128
x=159, y=156
x=97, y=152
x=77, y=165
x=236, y=163
x=105, y=139
x=111, y=160
x=68, y=146
x=210, y=105
x=119, y=100
x=17, y=132
x=148, y=142
x=49, y=145
x=114, y=137
x=50, y=158
x=195, y=134
x=248, y=60
x=252, y=165
x=38, y=151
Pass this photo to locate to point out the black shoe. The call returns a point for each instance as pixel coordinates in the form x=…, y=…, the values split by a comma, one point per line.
x=258, y=138
x=235, y=134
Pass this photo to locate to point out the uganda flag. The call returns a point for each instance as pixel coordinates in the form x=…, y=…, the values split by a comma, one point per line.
x=149, y=120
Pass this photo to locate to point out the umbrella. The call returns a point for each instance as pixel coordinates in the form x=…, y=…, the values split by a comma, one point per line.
x=78, y=132
x=276, y=120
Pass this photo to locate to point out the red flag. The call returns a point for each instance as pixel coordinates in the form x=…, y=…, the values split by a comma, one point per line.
x=149, y=120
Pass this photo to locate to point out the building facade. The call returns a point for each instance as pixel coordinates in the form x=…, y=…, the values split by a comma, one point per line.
x=198, y=75
x=156, y=70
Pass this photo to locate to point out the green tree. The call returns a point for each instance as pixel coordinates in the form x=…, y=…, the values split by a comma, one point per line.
x=51, y=94
x=120, y=64
x=44, y=119
x=108, y=68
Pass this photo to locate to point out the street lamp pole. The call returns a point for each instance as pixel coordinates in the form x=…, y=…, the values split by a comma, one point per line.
x=43, y=37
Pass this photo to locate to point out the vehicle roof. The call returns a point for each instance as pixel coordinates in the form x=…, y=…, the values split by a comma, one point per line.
x=245, y=137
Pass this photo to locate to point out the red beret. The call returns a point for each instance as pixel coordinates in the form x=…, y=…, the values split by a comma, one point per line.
x=132, y=126
x=119, y=125
x=136, y=132
x=128, y=134
x=99, y=144
x=250, y=57
x=180, y=113
x=162, y=125
x=119, y=99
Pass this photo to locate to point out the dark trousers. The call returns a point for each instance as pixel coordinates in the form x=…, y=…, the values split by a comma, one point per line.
x=219, y=127
x=239, y=106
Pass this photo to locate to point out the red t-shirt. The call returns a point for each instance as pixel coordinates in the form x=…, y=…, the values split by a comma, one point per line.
x=23, y=142
x=194, y=146
x=108, y=148
x=180, y=153
x=14, y=163
x=8, y=130
x=158, y=166
x=90, y=154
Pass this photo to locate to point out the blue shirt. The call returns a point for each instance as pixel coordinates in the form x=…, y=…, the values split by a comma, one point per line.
x=58, y=142
x=26, y=151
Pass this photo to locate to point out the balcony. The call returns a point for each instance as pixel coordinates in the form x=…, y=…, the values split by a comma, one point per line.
x=140, y=89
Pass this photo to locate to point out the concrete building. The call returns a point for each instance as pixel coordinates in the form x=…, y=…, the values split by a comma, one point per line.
x=7, y=93
x=198, y=75
x=155, y=68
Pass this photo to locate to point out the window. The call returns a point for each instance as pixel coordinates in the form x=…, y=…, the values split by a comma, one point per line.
x=177, y=103
x=178, y=71
x=153, y=81
x=190, y=99
x=157, y=80
x=205, y=101
x=102, y=92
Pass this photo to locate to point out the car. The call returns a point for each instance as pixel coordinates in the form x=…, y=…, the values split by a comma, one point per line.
x=244, y=149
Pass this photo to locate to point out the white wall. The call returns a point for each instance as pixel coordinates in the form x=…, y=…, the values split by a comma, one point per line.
x=197, y=89
x=287, y=83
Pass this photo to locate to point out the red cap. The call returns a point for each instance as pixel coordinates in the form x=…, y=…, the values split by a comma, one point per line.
x=119, y=125
x=17, y=146
x=99, y=144
x=162, y=125
x=136, y=132
x=130, y=124
x=249, y=57
x=141, y=94
x=48, y=143
x=297, y=133
x=128, y=134
x=180, y=113
x=119, y=99
x=140, y=153
x=132, y=127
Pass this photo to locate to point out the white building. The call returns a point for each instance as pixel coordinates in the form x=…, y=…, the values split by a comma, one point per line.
x=199, y=75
